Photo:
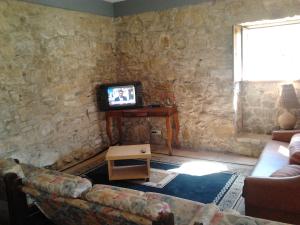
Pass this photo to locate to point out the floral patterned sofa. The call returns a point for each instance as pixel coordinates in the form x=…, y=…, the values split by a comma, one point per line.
x=67, y=200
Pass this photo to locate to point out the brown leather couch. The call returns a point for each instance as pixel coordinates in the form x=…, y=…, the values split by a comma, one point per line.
x=273, y=198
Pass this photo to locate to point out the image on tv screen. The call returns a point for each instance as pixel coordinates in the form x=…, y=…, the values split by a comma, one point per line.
x=121, y=96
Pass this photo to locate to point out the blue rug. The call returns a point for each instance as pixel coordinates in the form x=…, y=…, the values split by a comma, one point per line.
x=201, y=188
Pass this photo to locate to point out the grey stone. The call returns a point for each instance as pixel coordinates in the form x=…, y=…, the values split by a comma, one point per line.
x=49, y=60
x=192, y=47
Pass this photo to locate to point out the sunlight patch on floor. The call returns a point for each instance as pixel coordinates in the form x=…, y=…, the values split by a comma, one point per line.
x=200, y=168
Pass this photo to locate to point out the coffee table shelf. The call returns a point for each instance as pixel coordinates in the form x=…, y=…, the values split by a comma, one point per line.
x=130, y=171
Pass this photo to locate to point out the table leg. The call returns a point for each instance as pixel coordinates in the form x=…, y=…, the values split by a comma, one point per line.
x=108, y=128
x=177, y=127
x=148, y=169
x=119, y=126
x=110, y=164
x=169, y=134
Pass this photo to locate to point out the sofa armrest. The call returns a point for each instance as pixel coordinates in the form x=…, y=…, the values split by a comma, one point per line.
x=273, y=193
x=10, y=166
x=284, y=135
x=57, y=183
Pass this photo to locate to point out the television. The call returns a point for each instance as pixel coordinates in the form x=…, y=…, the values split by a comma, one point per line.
x=118, y=96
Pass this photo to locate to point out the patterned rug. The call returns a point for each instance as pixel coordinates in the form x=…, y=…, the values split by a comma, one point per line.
x=198, y=180
x=233, y=198
x=158, y=178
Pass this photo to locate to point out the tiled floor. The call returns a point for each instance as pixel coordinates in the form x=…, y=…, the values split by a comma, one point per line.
x=162, y=150
x=206, y=155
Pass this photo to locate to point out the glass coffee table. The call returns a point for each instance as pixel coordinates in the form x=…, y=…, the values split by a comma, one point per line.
x=126, y=152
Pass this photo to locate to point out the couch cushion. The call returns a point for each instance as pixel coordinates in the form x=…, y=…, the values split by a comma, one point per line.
x=184, y=210
x=77, y=211
x=57, y=183
x=127, y=201
x=287, y=171
x=294, y=148
x=223, y=218
x=10, y=166
x=274, y=156
x=29, y=169
x=204, y=215
x=127, y=190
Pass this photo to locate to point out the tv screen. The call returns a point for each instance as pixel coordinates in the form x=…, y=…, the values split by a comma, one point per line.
x=121, y=96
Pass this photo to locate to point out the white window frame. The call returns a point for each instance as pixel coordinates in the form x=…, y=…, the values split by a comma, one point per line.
x=238, y=37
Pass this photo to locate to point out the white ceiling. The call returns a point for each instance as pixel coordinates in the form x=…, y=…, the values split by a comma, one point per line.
x=112, y=1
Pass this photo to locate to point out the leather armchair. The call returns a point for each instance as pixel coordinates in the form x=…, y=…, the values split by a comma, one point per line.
x=284, y=135
x=273, y=198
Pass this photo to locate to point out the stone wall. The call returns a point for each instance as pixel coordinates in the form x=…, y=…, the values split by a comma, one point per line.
x=186, y=53
x=50, y=61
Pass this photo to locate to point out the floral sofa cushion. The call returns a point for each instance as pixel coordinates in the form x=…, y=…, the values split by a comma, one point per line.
x=226, y=218
x=70, y=211
x=128, y=201
x=204, y=215
x=130, y=191
x=184, y=210
x=29, y=169
x=57, y=183
x=10, y=166
x=211, y=215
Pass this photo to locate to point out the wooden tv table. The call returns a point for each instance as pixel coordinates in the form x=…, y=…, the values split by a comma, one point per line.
x=132, y=171
x=170, y=113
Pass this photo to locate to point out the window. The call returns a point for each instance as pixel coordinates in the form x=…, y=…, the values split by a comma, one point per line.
x=268, y=51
